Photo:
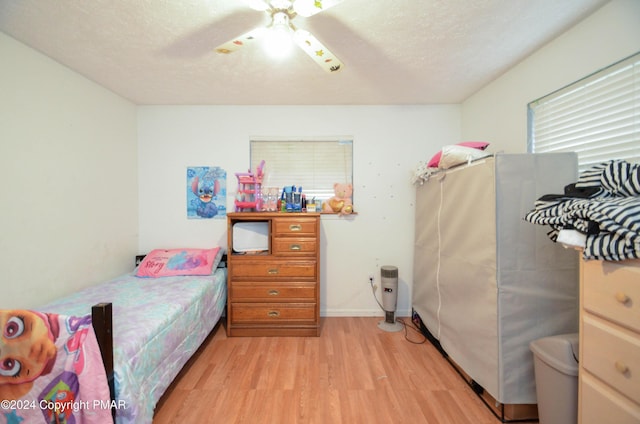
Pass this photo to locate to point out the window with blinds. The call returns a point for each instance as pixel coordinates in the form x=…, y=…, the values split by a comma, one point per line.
x=314, y=165
x=598, y=117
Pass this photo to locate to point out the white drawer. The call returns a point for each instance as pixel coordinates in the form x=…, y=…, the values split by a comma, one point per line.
x=612, y=290
x=612, y=354
x=600, y=404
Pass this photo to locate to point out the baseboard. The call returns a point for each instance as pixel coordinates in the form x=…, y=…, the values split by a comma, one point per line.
x=361, y=313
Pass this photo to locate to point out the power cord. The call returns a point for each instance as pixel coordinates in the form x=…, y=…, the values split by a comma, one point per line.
x=373, y=291
x=414, y=328
x=400, y=320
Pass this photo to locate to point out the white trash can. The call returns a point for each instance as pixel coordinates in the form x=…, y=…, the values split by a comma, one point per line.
x=556, y=370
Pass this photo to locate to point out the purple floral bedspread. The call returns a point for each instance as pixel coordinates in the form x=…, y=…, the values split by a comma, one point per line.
x=158, y=324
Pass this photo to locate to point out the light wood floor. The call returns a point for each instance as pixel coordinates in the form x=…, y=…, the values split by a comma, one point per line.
x=353, y=373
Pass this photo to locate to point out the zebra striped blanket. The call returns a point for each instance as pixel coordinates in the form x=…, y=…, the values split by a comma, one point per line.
x=604, y=204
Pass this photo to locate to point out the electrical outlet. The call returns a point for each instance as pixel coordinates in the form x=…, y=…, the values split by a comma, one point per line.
x=371, y=278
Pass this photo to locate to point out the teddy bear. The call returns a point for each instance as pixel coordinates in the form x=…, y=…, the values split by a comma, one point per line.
x=341, y=202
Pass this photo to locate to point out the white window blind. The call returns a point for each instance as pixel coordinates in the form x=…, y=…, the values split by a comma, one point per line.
x=314, y=165
x=598, y=117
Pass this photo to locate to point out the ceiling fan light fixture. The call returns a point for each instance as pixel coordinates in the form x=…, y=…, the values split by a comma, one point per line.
x=278, y=41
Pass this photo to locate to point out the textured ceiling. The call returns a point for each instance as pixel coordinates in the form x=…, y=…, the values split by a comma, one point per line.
x=394, y=51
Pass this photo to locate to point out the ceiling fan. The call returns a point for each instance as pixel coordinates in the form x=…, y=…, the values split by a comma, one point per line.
x=282, y=30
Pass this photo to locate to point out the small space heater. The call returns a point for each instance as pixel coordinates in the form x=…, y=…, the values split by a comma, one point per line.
x=389, y=279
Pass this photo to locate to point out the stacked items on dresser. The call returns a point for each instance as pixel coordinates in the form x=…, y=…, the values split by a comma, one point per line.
x=602, y=208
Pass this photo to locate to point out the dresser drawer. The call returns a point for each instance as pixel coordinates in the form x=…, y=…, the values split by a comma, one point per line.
x=601, y=404
x=288, y=246
x=294, y=226
x=280, y=313
x=273, y=269
x=612, y=290
x=242, y=291
x=613, y=355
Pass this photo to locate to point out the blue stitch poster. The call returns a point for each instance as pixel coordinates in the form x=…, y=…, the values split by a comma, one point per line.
x=206, y=192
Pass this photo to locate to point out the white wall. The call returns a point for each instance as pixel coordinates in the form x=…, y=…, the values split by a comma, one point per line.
x=71, y=173
x=498, y=112
x=388, y=143
x=67, y=178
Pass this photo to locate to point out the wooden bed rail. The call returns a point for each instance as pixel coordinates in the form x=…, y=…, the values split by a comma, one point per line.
x=101, y=317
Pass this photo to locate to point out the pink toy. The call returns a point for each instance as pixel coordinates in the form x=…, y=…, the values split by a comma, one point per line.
x=249, y=195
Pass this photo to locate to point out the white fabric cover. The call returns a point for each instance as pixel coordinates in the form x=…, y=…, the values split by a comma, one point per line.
x=486, y=282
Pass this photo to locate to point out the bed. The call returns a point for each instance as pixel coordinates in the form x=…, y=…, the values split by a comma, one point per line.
x=159, y=321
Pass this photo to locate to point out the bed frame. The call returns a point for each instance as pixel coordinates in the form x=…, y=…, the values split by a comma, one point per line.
x=101, y=317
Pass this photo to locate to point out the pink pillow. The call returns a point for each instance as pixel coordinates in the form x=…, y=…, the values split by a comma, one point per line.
x=435, y=160
x=168, y=263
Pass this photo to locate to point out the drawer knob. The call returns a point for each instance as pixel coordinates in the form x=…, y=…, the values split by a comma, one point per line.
x=621, y=367
x=273, y=314
x=272, y=271
x=622, y=298
x=295, y=227
x=274, y=292
x=295, y=247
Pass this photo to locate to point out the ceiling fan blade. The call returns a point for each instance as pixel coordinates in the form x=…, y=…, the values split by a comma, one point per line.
x=308, y=8
x=260, y=5
x=317, y=51
x=239, y=42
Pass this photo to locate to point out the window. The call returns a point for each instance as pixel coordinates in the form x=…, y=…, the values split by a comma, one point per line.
x=598, y=117
x=313, y=164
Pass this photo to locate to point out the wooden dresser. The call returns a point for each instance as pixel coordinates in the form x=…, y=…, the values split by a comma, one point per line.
x=609, y=377
x=275, y=292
